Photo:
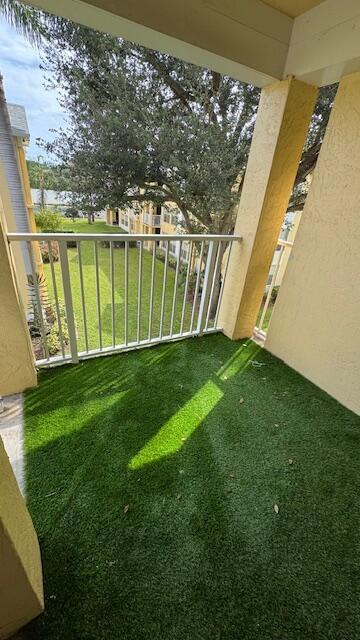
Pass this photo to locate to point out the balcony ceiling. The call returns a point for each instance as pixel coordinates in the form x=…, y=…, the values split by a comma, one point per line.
x=293, y=8
x=252, y=40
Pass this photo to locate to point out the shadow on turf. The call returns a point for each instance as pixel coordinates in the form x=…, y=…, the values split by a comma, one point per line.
x=199, y=554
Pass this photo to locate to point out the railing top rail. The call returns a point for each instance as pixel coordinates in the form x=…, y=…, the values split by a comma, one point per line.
x=285, y=243
x=127, y=237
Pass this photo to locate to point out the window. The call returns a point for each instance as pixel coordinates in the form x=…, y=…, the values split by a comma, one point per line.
x=167, y=217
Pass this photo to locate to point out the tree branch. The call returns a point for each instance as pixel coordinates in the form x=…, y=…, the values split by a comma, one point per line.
x=182, y=94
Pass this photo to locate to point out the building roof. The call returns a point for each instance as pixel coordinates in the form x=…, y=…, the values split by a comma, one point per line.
x=18, y=121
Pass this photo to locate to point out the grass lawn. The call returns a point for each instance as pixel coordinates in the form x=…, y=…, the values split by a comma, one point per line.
x=87, y=248
x=268, y=315
x=81, y=225
x=152, y=487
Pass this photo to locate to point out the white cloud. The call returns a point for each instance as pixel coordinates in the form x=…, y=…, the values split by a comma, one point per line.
x=24, y=84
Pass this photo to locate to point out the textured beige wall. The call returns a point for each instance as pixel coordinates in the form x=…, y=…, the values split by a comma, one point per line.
x=281, y=126
x=315, y=323
x=17, y=369
x=21, y=587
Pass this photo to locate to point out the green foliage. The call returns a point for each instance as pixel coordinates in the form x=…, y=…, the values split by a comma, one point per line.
x=53, y=336
x=48, y=176
x=49, y=323
x=274, y=293
x=49, y=221
x=44, y=249
x=37, y=288
x=72, y=212
x=26, y=20
x=160, y=254
x=142, y=120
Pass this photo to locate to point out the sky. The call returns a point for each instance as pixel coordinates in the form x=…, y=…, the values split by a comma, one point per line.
x=24, y=84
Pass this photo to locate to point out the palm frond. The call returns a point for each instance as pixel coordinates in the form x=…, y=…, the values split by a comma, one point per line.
x=24, y=19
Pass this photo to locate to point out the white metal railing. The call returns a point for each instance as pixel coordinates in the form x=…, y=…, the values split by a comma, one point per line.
x=106, y=293
x=282, y=253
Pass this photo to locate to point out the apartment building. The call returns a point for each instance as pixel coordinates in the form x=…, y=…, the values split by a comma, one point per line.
x=149, y=218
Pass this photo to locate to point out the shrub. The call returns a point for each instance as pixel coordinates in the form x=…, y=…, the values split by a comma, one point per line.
x=71, y=212
x=44, y=249
x=172, y=262
x=274, y=294
x=118, y=244
x=48, y=221
x=71, y=244
x=37, y=287
x=53, y=337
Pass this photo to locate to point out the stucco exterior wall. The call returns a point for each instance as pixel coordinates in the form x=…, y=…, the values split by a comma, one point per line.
x=315, y=324
x=17, y=368
x=21, y=586
x=280, y=130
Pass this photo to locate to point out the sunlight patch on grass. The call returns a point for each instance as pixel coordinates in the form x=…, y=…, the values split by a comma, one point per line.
x=238, y=361
x=74, y=418
x=174, y=433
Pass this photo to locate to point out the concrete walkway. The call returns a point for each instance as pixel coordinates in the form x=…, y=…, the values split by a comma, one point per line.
x=11, y=432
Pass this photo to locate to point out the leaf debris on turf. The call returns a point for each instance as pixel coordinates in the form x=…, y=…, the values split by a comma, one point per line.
x=231, y=475
x=126, y=509
x=290, y=461
x=241, y=400
x=276, y=508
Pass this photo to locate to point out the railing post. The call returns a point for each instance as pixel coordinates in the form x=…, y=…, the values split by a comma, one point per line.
x=271, y=287
x=68, y=300
x=208, y=278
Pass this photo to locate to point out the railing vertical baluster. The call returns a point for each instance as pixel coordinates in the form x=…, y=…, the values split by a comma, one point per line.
x=151, y=310
x=177, y=318
x=175, y=289
x=196, y=292
x=83, y=304
x=213, y=282
x=222, y=286
x=186, y=287
x=61, y=335
x=208, y=278
x=98, y=303
x=164, y=290
x=139, y=291
x=112, y=285
x=38, y=300
x=271, y=287
x=126, y=277
x=65, y=274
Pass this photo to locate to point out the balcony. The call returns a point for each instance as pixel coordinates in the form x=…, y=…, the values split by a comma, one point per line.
x=124, y=221
x=199, y=488
x=218, y=507
x=152, y=220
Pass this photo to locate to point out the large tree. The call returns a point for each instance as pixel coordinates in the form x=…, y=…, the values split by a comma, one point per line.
x=144, y=125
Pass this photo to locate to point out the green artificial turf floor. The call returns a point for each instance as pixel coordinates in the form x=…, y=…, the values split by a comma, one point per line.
x=152, y=480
